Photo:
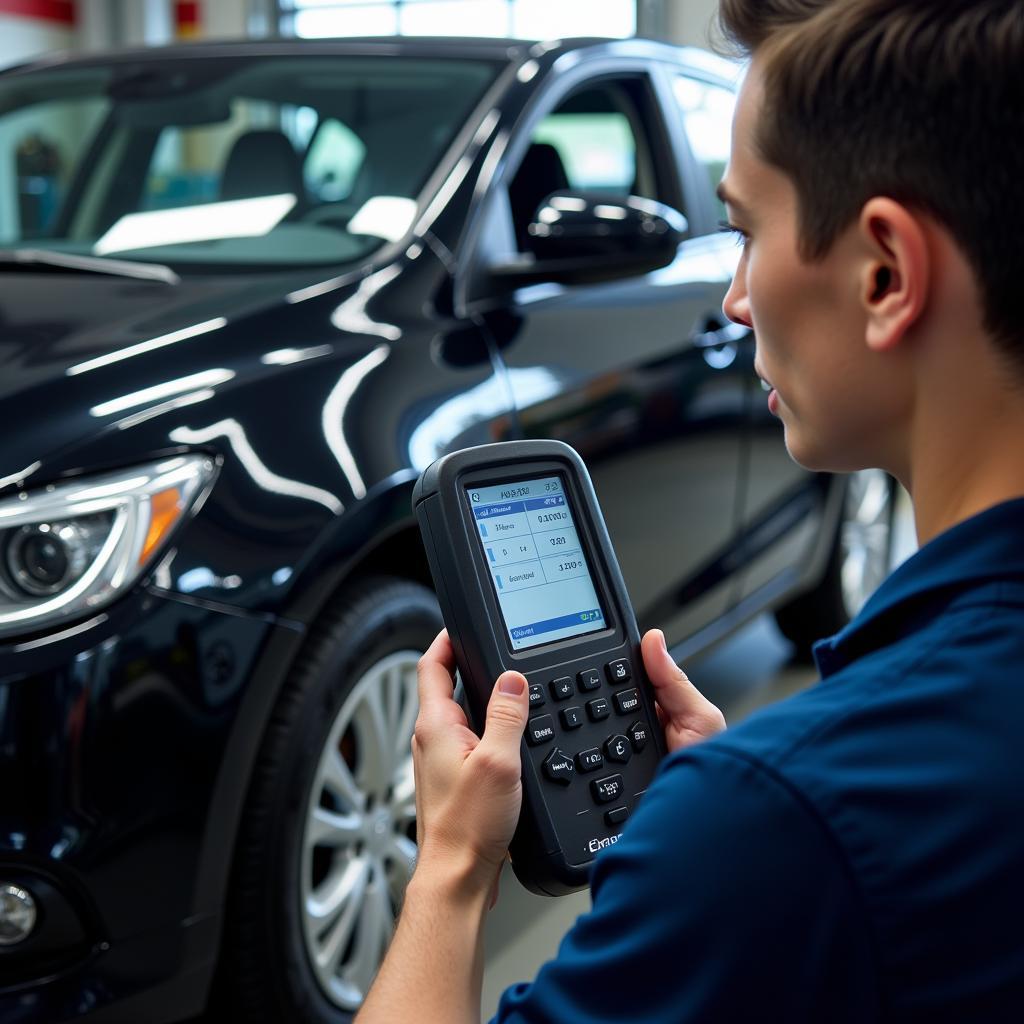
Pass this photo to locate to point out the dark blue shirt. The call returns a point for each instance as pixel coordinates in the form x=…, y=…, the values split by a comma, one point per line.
x=855, y=853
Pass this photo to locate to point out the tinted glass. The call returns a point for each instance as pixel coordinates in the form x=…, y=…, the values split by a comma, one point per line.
x=277, y=161
x=707, y=116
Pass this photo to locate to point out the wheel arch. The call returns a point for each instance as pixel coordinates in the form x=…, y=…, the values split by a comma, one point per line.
x=378, y=537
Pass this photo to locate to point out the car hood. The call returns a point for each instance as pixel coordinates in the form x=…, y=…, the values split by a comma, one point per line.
x=70, y=343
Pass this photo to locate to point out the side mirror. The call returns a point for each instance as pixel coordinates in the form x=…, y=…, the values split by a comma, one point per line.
x=584, y=238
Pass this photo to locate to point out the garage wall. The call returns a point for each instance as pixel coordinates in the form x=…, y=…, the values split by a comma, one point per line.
x=685, y=22
x=31, y=27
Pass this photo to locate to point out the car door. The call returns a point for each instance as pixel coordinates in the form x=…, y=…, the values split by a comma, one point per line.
x=623, y=370
x=778, y=500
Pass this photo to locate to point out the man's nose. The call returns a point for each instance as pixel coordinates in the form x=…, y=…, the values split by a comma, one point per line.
x=736, y=305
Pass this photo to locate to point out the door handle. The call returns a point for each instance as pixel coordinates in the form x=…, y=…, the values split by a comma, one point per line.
x=730, y=334
x=719, y=345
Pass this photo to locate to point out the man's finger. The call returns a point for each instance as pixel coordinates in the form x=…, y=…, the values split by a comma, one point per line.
x=675, y=693
x=685, y=713
x=435, y=683
x=441, y=651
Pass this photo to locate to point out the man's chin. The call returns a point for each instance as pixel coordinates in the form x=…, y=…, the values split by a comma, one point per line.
x=810, y=456
x=819, y=458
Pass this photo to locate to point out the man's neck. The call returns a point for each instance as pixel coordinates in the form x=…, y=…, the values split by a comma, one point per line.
x=966, y=456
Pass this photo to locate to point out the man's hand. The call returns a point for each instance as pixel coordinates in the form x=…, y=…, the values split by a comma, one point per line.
x=468, y=789
x=468, y=794
x=687, y=716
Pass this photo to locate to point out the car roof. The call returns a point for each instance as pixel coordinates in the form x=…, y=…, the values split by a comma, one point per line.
x=488, y=48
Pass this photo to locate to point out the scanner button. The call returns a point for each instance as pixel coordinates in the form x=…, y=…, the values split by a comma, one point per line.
x=616, y=748
x=537, y=695
x=617, y=815
x=539, y=730
x=572, y=718
x=590, y=760
x=589, y=679
x=562, y=689
x=607, y=790
x=619, y=671
x=627, y=701
x=637, y=736
x=559, y=768
x=598, y=708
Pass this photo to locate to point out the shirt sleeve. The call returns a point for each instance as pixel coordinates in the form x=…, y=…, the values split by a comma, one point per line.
x=726, y=900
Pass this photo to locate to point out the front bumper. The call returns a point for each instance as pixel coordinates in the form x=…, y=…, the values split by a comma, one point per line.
x=121, y=778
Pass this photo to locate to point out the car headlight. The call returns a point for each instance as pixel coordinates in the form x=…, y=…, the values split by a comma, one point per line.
x=72, y=548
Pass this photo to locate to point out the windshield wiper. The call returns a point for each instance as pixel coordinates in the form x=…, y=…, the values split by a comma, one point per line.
x=88, y=264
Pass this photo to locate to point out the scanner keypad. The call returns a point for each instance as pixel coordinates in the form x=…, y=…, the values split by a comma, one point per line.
x=562, y=689
x=540, y=729
x=572, y=718
x=616, y=732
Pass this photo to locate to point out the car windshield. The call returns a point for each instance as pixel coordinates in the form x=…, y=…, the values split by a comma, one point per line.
x=211, y=164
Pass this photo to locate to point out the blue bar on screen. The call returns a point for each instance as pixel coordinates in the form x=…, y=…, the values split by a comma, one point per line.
x=550, y=625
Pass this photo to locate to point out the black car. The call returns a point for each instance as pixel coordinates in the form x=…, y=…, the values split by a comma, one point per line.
x=247, y=293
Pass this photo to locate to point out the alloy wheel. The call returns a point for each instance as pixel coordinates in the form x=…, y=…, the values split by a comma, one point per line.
x=866, y=537
x=358, y=847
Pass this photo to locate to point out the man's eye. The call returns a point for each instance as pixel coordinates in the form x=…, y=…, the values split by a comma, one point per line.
x=739, y=235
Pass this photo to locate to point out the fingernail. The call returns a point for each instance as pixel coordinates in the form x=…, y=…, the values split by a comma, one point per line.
x=511, y=683
x=664, y=644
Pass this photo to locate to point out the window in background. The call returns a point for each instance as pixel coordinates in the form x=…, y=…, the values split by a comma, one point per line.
x=524, y=19
x=707, y=116
x=41, y=147
x=597, y=150
x=333, y=161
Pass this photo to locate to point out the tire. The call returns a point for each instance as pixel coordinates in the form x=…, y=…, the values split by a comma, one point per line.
x=860, y=560
x=327, y=840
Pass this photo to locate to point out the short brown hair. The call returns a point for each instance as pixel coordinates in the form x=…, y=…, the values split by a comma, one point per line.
x=918, y=100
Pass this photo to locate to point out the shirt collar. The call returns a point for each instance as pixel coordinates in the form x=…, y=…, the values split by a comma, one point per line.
x=987, y=546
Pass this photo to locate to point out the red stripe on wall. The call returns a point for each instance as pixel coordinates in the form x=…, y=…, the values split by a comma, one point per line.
x=187, y=14
x=62, y=11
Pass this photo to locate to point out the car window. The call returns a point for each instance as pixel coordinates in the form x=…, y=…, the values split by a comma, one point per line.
x=595, y=140
x=707, y=117
x=333, y=161
x=206, y=165
x=597, y=150
x=187, y=162
x=40, y=147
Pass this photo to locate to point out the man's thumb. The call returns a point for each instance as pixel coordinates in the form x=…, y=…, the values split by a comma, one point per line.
x=507, y=712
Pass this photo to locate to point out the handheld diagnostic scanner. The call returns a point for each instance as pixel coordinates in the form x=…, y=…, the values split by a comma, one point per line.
x=527, y=580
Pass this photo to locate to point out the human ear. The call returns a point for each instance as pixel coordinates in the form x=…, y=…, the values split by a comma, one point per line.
x=895, y=274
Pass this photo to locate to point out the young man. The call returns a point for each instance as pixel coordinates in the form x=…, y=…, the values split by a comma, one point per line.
x=855, y=853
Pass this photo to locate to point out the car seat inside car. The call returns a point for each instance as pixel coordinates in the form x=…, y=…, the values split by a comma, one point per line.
x=262, y=163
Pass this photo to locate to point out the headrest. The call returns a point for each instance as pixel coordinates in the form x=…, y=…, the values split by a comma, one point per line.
x=261, y=163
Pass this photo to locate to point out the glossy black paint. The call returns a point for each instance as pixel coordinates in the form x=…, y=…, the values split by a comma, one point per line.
x=583, y=238
x=126, y=742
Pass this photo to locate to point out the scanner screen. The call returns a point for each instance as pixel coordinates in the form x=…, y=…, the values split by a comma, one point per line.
x=540, y=574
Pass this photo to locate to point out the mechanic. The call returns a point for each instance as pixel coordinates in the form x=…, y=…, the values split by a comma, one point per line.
x=855, y=853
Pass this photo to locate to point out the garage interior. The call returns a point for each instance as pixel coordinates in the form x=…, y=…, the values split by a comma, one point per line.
x=753, y=666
